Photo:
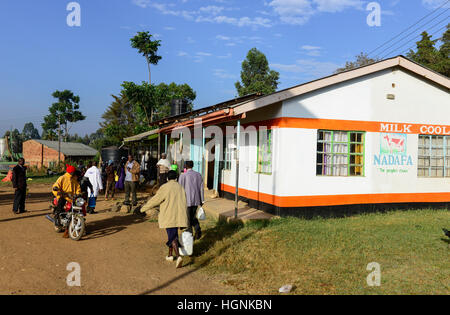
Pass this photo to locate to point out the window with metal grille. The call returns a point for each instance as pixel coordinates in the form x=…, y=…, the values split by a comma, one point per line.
x=230, y=151
x=264, y=152
x=340, y=153
x=434, y=156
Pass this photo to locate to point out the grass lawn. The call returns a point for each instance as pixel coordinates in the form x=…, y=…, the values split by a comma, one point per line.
x=330, y=256
x=35, y=180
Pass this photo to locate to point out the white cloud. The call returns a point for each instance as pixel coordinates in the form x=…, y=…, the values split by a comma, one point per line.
x=233, y=41
x=211, y=9
x=308, y=67
x=142, y=3
x=337, y=5
x=293, y=11
x=240, y=22
x=435, y=3
x=298, y=12
x=311, y=50
x=211, y=14
x=223, y=74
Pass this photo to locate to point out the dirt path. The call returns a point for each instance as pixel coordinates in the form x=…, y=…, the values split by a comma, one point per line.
x=121, y=255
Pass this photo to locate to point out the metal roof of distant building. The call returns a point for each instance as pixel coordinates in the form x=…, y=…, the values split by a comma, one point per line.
x=70, y=148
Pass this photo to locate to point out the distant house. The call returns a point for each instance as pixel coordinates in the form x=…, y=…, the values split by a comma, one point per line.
x=45, y=153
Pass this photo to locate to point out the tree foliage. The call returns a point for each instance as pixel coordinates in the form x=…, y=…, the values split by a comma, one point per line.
x=256, y=75
x=63, y=113
x=360, y=60
x=16, y=141
x=152, y=102
x=148, y=48
x=431, y=57
x=119, y=120
x=30, y=132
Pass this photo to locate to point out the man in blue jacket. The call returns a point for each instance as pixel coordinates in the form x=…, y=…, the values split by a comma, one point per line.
x=192, y=182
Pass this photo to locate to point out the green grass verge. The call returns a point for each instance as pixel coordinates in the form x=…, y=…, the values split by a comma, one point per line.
x=330, y=256
x=35, y=180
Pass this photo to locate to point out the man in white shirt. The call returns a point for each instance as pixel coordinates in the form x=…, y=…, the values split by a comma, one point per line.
x=163, y=166
x=95, y=177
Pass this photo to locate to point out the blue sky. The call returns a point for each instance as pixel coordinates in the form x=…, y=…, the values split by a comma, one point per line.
x=203, y=44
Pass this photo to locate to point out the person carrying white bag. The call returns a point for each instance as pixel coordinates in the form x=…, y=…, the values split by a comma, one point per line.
x=171, y=199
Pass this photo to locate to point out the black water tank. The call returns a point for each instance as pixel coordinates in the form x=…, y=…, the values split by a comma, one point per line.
x=178, y=107
x=113, y=153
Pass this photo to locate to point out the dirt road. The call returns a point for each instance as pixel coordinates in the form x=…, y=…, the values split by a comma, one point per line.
x=122, y=254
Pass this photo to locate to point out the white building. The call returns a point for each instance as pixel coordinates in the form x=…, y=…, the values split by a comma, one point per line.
x=376, y=135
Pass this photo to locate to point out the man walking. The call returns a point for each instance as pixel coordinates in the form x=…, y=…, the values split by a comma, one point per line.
x=132, y=171
x=163, y=166
x=192, y=182
x=95, y=177
x=171, y=199
x=19, y=180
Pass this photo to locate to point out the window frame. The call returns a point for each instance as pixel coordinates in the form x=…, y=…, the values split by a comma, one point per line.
x=270, y=146
x=229, y=153
x=445, y=157
x=349, y=154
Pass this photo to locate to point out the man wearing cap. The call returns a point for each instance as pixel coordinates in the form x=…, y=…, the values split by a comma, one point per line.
x=66, y=187
x=163, y=166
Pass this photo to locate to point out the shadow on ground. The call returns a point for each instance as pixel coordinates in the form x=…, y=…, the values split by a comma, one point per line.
x=8, y=198
x=211, y=236
x=110, y=226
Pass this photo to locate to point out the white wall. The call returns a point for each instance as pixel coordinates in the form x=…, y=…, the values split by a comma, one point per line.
x=363, y=99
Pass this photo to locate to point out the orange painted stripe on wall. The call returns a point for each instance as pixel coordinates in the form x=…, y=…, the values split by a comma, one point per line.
x=355, y=125
x=337, y=200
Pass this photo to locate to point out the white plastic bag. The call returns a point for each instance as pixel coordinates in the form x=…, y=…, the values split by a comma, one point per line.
x=187, y=243
x=201, y=214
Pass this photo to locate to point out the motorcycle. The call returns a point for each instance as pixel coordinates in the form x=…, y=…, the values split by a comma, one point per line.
x=72, y=218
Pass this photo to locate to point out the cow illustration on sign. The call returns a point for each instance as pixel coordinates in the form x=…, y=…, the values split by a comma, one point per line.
x=393, y=143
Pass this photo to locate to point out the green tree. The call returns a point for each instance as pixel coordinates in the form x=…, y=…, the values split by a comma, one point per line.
x=426, y=53
x=16, y=141
x=119, y=120
x=256, y=75
x=29, y=132
x=142, y=99
x=98, y=140
x=156, y=99
x=444, y=51
x=148, y=48
x=49, y=135
x=63, y=113
x=165, y=94
x=360, y=60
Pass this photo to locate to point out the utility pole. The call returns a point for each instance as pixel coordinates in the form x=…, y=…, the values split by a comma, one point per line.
x=238, y=145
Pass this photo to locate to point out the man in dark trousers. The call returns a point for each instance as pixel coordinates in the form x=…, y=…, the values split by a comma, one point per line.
x=19, y=180
x=192, y=182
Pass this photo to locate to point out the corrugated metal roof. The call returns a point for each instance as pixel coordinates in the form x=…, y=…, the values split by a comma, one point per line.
x=141, y=136
x=70, y=148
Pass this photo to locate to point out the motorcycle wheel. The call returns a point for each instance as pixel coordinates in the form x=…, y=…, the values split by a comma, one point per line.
x=76, y=228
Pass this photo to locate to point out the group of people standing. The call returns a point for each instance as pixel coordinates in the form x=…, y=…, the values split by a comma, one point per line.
x=178, y=197
x=123, y=177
